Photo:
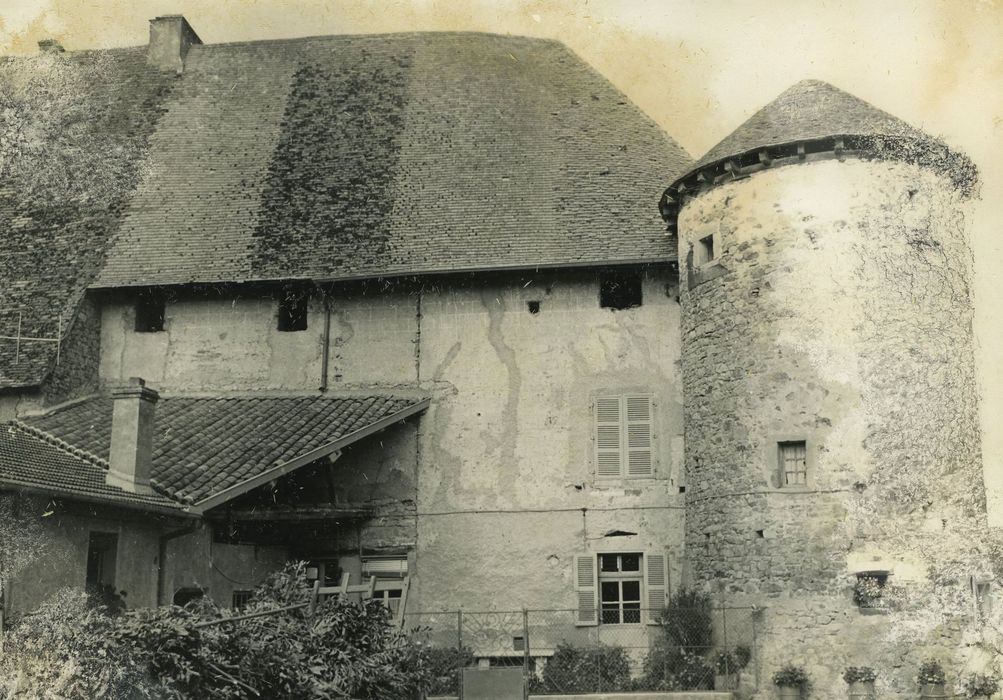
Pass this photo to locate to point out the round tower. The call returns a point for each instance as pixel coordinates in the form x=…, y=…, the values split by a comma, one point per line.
x=832, y=446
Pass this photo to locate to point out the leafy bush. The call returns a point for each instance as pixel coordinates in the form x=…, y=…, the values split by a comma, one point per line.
x=677, y=659
x=790, y=676
x=590, y=669
x=743, y=655
x=445, y=664
x=859, y=674
x=725, y=663
x=68, y=649
x=931, y=673
x=980, y=684
x=686, y=620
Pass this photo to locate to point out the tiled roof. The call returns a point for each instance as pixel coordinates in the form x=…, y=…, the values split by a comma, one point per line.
x=73, y=132
x=364, y=156
x=808, y=110
x=204, y=446
x=34, y=461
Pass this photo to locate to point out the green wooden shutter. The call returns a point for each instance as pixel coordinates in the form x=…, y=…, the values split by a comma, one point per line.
x=656, y=579
x=638, y=436
x=586, y=587
x=609, y=439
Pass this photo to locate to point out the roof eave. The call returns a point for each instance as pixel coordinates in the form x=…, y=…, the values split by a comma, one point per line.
x=54, y=492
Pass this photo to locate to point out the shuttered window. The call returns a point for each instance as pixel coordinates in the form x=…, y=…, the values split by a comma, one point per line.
x=585, y=589
x=623, y=436
x=608, y=587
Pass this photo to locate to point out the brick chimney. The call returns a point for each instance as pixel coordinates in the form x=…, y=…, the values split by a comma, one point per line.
x=170, y=38
x=50, y=46
x=131, y=453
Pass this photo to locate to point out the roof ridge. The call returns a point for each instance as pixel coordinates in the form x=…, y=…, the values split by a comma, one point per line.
x=61, y=444
x=380, y=35
x=55, y=408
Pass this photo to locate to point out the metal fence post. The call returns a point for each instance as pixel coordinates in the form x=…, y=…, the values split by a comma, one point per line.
x=525, y=654
x=459, y=650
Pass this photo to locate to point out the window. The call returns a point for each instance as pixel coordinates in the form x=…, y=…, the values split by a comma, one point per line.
x=793, y=463
x=293, y=311
x=870, y=588
x=620, y=588
x=616, y=588
x=102, y=553
x=150, y=311
x=240, y=599
x=704, y=250
x=390, y=573
x=620, y=290
x=982, y=592
x=623, y=436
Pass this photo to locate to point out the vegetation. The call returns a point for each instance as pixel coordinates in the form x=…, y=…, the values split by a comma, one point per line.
x=790, y=676
x=445, y=665
x=678, y=658
x=860, y=674
x=585, y=670
x=344, y=649
x=980, y=685
x=931, y=673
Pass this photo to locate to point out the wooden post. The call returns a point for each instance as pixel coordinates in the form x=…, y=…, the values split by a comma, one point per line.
x=17, y=342
x=313, y=596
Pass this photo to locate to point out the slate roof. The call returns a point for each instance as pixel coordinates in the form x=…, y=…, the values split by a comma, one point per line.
x=206, y=445
x=813, y=109
x=73, y=132
x=365, y=156
x=29, y=459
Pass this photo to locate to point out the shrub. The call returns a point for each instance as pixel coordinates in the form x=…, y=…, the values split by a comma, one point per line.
x=931, y=673
x=586, y=669
x=686, y=620
x=980, y=684
x=445, y=664
x=859, y=674
x=343, y=649
x=790, y=676
x=725, y=663
x=743, y=655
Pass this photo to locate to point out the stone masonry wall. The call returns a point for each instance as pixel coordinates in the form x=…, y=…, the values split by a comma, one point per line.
x=504, y=493
x=837, y=311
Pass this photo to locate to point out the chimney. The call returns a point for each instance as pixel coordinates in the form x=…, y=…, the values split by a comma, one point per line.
x=131, y=453
x=50, y=46
x=170, y=38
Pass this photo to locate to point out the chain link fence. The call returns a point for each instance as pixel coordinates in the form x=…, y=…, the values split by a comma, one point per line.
x=709, y=648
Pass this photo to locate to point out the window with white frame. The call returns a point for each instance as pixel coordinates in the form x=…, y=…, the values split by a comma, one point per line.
x=982, y=593
x=390, y=573
x=616, y=588
x=620, y=588
x=624, y=436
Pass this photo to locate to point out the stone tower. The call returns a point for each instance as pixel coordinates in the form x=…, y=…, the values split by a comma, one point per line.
x=832, y=446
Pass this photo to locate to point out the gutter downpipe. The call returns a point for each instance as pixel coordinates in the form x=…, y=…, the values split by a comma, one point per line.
x=326, y=342
x=162, y=556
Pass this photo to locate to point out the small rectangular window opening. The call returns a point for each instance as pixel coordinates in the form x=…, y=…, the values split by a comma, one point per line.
x=293, y=311
x=241, y=599
x=150, y=311
x=705, y=250
x=533, y=306
x=869, y=589
x=793, y=463
x=620, y=290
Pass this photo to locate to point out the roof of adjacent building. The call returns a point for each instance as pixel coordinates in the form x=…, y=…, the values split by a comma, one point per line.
x=38, y=462
x=206, y=449
x=319, y=158
x=812, y=110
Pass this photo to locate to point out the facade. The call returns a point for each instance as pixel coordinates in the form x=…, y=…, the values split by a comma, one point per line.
x=401, y=306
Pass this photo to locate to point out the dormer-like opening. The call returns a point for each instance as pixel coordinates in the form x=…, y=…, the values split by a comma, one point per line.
x=151, y=309
x=620, y=290
x=293, y=307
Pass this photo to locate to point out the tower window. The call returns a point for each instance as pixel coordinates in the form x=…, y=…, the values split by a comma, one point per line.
x=620, y=290
x=293, y=311
x=705, y=250
x=150, y=311
x=793, y=463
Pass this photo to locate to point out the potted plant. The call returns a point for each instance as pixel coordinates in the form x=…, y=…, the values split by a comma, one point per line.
x=931, y=679
x=791, y=682
x=861, y=681
x=980, y=685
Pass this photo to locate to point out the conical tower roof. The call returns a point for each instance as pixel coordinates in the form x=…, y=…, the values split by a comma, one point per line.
x=808, y=110
x=812, y=119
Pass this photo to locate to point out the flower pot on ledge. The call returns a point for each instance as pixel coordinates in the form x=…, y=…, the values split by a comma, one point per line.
x=788, y=693
x=933, y=691
x=861, y=690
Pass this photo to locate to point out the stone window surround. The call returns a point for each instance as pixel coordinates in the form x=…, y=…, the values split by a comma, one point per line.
x=700, y=272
